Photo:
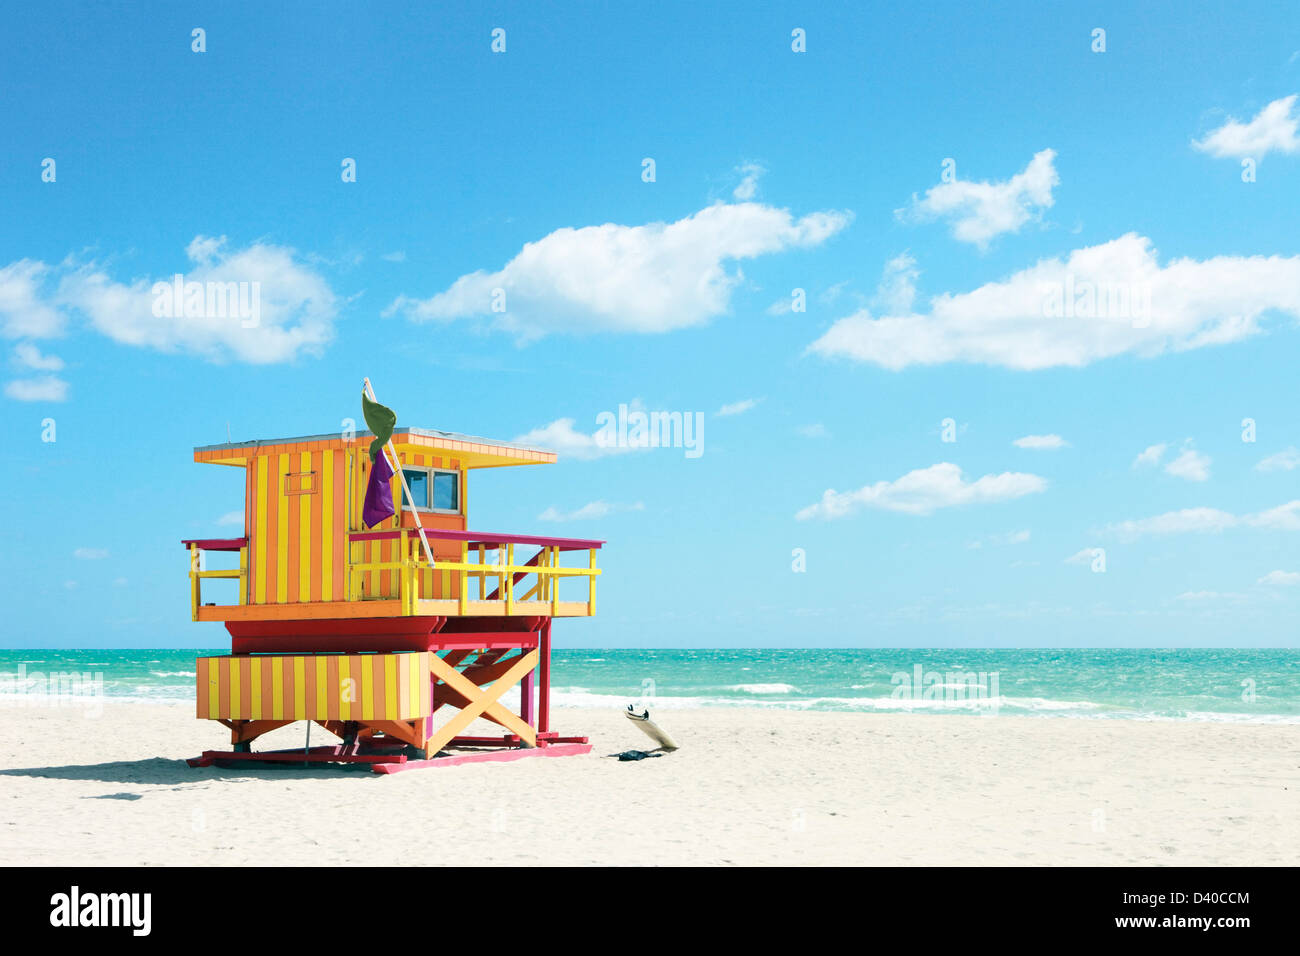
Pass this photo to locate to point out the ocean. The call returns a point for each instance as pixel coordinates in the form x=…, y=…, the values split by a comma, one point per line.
x=1250, y=686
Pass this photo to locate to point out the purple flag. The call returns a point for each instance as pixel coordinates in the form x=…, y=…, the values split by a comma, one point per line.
x=379, y=493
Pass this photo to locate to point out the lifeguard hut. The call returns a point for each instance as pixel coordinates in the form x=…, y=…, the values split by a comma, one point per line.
x=378, y=633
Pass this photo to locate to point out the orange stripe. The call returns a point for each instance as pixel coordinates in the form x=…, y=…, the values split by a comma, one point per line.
x=318, y=493
x=272, y=526
x=332, y=698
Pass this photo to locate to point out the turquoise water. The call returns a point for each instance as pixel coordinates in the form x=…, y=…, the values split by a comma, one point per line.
x=1222, y=685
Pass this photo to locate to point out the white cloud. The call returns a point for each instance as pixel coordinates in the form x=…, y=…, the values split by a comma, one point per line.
x=651, y=278
x=29, y=356
x=815, y=430
x=1282, y=518
x=1118, y=297
x=1151, y=456
x=1203, y=520
x=232, y=518
x=562, y=438
x=1281, y=578
x=1001, y=540
x=1209, y=596
x=1286, y=460
x=25, y=311
x=897, y=289
x=1273, y=128
x=1178, y=522
x=1086, y=556
x=90, y=554
x=594, y=509
x=924, y=490
x=398, y=256
x=44, y=388
x=748, y=188
x=979, y=211
x=296, y=305
x=737, y=408
x=1190, y=464
x=1041, y=442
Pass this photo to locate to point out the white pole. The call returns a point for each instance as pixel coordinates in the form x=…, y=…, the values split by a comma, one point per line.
x=396, y=465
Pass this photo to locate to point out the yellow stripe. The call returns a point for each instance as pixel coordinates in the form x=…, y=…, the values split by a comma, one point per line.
x=235, y=713
x=413, y=668
x=327, y=527
x=345, y=705
x=390, y=687
x=304, y=533
x=255, y=692
x=260, y=597
x=282, y=531
x=367, y=683
x=300, y=688
x=322, y=698
x=277, y=688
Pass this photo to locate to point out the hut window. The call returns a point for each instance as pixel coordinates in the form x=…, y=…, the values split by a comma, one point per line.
x=446, y=491
x=433, y=490
x=418, y=482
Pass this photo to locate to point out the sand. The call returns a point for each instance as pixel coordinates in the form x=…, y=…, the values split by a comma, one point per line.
x=749, y=787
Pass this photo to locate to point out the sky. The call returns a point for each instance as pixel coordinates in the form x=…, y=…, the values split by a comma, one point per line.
x=991, y=319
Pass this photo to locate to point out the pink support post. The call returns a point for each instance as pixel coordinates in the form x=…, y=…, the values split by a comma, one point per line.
x=544, y=694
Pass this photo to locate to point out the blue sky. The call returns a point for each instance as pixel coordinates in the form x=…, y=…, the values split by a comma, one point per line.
x=774, y=170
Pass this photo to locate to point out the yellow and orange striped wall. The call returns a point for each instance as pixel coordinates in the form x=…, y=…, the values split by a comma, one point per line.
x=300, y=501
x=314, y=687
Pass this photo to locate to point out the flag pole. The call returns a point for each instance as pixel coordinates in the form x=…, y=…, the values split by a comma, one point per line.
x=396, y=465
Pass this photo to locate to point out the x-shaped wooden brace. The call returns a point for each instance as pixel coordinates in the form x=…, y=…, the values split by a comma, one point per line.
x=481, y=701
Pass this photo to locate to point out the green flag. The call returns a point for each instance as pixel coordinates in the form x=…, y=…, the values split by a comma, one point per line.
x=381, y=420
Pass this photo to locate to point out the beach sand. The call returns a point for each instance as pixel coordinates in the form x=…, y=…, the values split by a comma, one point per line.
x=748, y=787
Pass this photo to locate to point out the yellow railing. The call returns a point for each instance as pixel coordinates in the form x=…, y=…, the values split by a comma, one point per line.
x=544, y=565
x=197, y=574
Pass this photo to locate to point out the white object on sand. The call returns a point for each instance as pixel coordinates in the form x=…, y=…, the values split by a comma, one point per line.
x=652, y=730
